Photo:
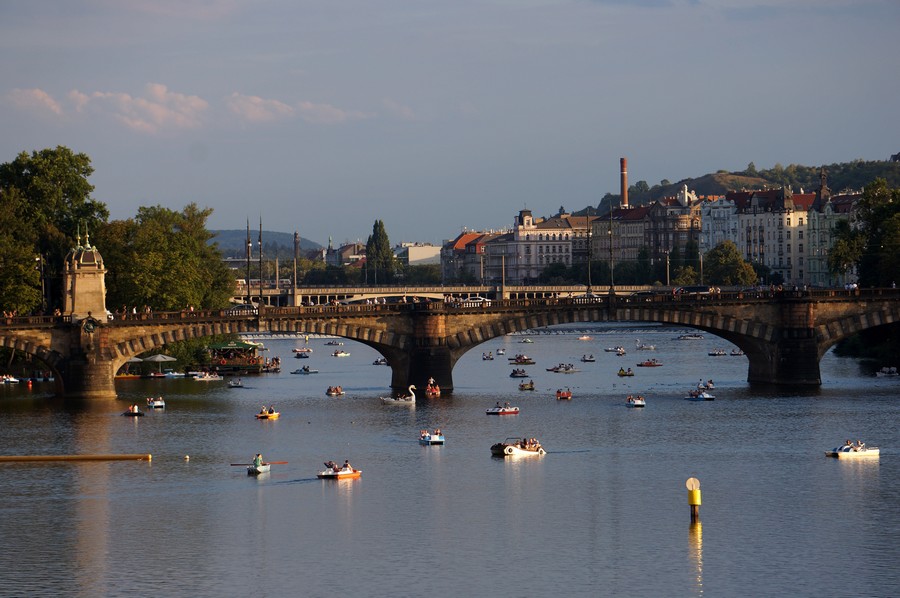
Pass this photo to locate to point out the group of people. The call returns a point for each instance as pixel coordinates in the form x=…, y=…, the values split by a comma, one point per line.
x=335, y=390
x=270, y=410
x=529, y=444
x=338, y=468
x=134, y=408
x=624, y=372
x=856, y=447
x=632, y=398
x=505, y=405
x=705, y=385
x=425, y=434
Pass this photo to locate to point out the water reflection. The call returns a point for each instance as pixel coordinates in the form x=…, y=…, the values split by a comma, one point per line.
x=695, y=555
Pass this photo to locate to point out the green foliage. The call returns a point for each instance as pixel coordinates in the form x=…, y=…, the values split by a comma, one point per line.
x=555, y=274
x=163, y=259
x=379, y=256
x=879, y=217
x=847, y=248
x=685, y=275
x=46, y=196
x=20, y=284
x=723, y=265
x=422, y=275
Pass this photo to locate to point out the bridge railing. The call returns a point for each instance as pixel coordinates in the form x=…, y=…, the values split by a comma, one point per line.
x=636, y=299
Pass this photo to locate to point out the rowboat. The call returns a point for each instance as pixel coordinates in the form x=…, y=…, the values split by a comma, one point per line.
x=526, y=385
x=133, y=414
x=235, y=383
x=334, y=391
x=340, y=353
x=515, y=447
x=623, y=372
x=258, y=469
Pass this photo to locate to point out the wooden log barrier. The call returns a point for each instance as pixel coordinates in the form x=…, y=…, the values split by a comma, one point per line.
x=48, y=458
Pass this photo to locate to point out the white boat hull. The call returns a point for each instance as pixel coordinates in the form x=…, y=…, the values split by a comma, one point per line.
x=847, y=452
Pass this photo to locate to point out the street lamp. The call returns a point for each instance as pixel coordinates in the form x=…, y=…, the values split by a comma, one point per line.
x=667, y=266
x=590, y=253
x=40, y=260
x=612, y=265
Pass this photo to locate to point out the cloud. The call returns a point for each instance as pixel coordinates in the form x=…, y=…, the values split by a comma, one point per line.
x=160, y=109
x=326, y=114
x=399, y=110
x=34, y=100
x=256, y=109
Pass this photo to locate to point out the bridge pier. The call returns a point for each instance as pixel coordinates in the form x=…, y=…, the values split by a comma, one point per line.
x=791, y=361
x=86, y=377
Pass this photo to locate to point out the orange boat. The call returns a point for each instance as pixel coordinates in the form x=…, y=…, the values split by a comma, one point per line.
x=564, y=395
x=336, y=472
x=650, y=363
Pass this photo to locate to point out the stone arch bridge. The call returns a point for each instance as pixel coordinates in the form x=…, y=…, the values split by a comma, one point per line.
x=783, y=334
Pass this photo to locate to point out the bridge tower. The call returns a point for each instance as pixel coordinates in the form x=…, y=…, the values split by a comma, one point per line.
x=84, y=281
x=86, y=373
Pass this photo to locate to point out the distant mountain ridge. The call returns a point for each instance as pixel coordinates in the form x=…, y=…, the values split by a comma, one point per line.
x=233, y=243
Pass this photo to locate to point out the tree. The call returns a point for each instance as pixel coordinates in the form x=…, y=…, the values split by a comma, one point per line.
x=20, y=284
x=163, y=259
x=877, y=211
x=847, y=248
x=723, y=265
x=685, y=275
x=379, y=257
x=48, y=193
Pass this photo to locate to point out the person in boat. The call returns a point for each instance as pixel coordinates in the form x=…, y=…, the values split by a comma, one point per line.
x=629, y=371
x=257, y=460
x=263, y=411
x=621, y=370
x=347, y=466
x=331, y=465
x=271, y=409
x=498, y=404
x=505, y=404
x=437, y=431
x=860, y=445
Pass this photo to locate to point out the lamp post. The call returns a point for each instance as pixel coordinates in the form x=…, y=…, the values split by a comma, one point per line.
x=612, y=265
x=667, y=266
x=590, y=251
x=40, y=260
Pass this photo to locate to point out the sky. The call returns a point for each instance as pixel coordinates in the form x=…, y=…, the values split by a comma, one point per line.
x=436, y=116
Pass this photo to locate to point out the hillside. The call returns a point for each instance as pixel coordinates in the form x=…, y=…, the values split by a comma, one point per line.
x=233, y=243
x=846, y=176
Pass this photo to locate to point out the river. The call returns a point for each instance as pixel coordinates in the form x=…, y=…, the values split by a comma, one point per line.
x=604, y=513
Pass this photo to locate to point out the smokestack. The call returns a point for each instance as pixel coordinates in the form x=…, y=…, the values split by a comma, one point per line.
x=623, y=163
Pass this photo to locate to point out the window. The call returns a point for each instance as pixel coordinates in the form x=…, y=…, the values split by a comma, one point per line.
x=799, y=234
x=800, y=248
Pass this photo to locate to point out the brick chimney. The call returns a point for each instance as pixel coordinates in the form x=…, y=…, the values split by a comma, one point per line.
x=623, y=162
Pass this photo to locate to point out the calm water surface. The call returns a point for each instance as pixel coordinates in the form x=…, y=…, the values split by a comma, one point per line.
x=603, y=513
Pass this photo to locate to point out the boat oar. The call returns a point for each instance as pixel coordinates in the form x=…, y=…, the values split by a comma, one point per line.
x=266, y=463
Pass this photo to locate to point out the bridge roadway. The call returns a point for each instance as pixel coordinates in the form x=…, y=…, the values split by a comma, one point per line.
x=783, y=334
